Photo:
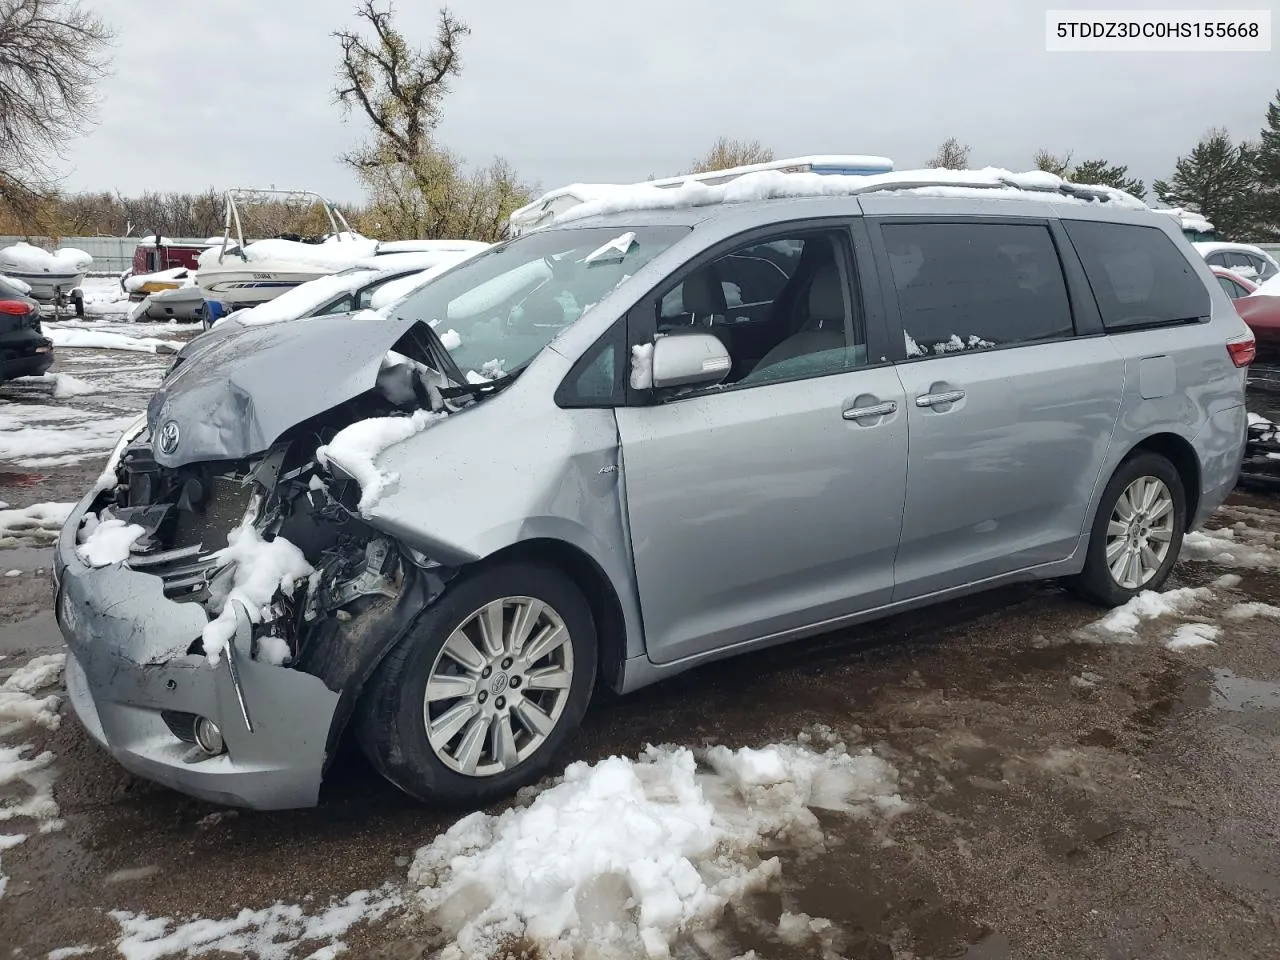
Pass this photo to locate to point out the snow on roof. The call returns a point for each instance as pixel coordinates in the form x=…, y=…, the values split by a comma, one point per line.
x=990, y=182
x=305, y=297
x=20, y=285
x=26, y=258
x=393, y=292
x=1206, y=247
x=1189, y=219
x=425, y=260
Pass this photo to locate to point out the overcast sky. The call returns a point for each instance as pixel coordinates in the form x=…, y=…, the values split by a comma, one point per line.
x=238, y=92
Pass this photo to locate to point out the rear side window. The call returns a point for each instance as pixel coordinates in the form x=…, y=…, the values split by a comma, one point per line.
x=1138, y=276
x=1233, y=289
x=974, y=286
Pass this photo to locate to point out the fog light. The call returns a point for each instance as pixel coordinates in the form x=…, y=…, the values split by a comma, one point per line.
x=209, y=737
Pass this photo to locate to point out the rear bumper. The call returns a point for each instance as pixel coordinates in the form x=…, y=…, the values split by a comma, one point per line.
x=21, y=359
x=128, y=664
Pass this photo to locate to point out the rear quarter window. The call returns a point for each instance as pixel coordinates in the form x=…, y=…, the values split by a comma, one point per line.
x=1138, y=277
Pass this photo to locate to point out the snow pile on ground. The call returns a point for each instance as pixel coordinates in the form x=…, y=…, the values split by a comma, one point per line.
x=19, y=705
x=67, y=338
x=1121, y=624
x=260, y=569
x=772, y=184
x=355, y=448
x=22, y=257
x=335, y=254
x=43, y=446
x=7, y=842
x=624, y=857
x=103, y=297
x=26, y=783
x=109, y=543
x=1191, y=635
x=63, y=386
x=272, y=933
x=1240, y=545
x=1251, y=610
x=39, y=523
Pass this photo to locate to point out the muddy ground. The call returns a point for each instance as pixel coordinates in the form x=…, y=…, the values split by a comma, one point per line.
x=1069, y=799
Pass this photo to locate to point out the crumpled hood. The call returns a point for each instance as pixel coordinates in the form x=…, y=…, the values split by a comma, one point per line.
x=235, y=395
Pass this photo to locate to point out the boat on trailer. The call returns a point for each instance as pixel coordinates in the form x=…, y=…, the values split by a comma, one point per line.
x=237, y=273
x=53, y=277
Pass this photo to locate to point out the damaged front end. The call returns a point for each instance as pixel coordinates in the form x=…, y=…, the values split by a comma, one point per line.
x=224, y=651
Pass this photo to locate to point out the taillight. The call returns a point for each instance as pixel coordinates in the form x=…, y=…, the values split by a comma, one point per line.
x=1242, y=351
x=14, y=308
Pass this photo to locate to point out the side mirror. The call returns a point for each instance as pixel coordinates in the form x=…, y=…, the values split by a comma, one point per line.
x=689, y=359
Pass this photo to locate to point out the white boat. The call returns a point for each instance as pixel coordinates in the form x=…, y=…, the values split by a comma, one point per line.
x=51, y=276
x=237, y=274
x=555, y=202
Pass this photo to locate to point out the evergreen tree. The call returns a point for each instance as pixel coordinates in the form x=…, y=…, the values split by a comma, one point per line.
x=1266, y=168
x=1216, y=179
x=1102, y=173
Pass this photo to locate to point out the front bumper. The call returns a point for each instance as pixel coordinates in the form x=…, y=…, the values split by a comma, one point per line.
x=128, y=662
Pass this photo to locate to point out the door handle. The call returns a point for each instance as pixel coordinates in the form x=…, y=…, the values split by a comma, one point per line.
x=935, y=399
x=875, y=410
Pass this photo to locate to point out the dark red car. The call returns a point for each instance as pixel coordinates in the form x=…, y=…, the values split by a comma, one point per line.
x=24, y=349
x=1261, y=313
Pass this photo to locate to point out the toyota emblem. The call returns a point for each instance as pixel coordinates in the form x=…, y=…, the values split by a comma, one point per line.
x=169, y=435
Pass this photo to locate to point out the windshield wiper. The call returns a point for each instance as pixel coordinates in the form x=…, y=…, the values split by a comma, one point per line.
x=487, y=389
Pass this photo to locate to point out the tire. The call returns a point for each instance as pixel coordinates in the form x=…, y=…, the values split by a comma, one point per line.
x=391, y=722
x=1097, y=583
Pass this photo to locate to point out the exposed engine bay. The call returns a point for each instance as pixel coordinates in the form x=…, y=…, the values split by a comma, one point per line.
x=359, y=591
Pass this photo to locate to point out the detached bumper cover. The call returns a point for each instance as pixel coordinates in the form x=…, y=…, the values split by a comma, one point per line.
x=128, y=663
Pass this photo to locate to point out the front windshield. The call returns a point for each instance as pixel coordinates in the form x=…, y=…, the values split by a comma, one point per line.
x=497, y=311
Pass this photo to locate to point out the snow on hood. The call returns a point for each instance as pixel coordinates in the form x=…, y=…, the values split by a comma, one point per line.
x=234, y=395
x=331, y=253
x=772, y=184
x=22, y=257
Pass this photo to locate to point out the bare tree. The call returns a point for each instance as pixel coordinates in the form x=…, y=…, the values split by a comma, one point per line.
x=1053, y=163
x=728, y=152
x=417, y=187
x=52, y=53
x=951, y=155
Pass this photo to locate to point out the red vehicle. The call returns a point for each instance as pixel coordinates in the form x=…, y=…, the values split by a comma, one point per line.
x=154, y=254
x=1261, y=313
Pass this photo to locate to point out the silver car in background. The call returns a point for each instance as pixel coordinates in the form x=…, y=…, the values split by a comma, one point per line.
x=629, y=444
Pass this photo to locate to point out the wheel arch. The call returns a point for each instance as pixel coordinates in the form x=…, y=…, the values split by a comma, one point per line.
x=587, y=574
x=1178, y=451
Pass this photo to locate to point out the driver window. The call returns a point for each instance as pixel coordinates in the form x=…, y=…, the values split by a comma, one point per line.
x=783, y=309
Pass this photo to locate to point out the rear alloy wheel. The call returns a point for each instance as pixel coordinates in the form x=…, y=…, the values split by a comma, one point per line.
x=492, y=681
x=1137, y=532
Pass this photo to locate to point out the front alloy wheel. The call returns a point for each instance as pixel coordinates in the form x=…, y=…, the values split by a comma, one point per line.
x=1140, y=532
x=488, y=685
x=499, y=686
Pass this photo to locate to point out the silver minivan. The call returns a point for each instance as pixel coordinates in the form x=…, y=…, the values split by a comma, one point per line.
x=626, y=444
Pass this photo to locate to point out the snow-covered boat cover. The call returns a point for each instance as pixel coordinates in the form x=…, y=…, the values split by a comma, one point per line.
x=24, y=258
